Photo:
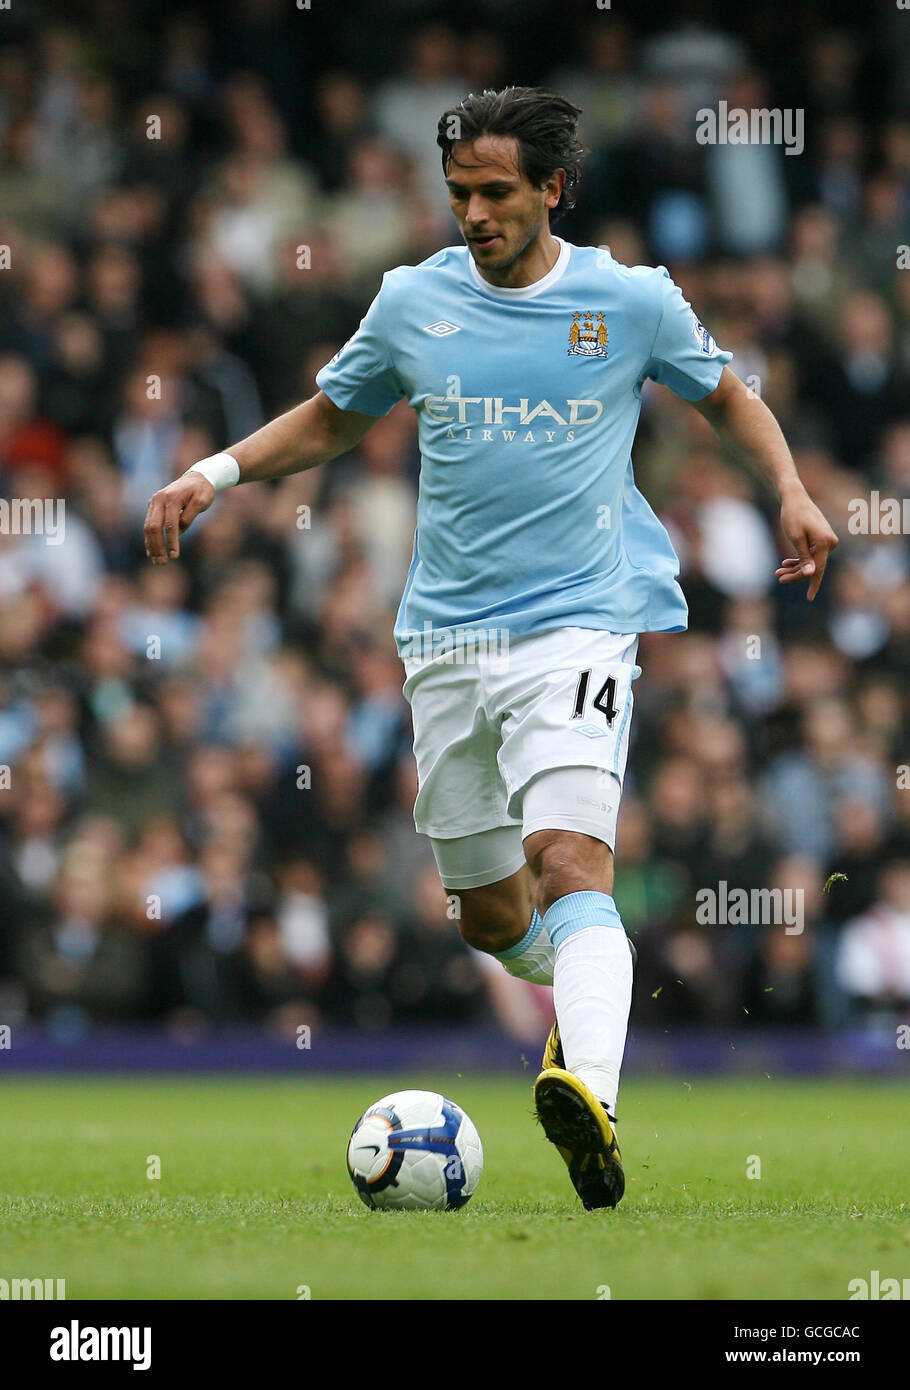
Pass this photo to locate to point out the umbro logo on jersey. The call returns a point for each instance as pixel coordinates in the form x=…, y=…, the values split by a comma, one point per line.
x=441, y=328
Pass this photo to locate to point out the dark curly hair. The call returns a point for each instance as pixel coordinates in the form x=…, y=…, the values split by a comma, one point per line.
x=543, y=123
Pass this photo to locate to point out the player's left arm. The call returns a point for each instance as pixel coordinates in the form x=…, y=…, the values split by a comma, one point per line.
x=745, y=424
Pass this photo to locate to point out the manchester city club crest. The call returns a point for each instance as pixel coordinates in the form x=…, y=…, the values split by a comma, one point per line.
x=587, y=338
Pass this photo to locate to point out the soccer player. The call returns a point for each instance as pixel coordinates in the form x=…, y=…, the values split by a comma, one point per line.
x=537, y=563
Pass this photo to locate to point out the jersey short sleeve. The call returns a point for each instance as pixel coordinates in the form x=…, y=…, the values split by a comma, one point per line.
x=361, y=375
x=684, y=356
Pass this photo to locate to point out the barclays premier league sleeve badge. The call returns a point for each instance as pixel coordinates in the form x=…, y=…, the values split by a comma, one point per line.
x=703, y=336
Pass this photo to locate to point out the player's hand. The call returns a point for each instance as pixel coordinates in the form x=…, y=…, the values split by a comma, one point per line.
x=171, y=511
x=812, y=539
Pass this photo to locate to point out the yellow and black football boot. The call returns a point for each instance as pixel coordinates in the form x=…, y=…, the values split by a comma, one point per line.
x=578, y=1124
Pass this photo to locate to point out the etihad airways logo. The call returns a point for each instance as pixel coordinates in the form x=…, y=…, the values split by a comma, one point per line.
x=492, y=410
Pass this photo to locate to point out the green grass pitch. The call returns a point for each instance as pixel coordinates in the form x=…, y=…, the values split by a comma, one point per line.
x=254, y=1200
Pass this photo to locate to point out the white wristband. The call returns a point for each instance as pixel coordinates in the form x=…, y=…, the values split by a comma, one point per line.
x=222, y=470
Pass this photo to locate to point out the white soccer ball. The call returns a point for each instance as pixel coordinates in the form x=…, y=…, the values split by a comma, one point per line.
x=415, y=1151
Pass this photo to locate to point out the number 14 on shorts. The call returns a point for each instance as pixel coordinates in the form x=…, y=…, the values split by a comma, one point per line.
x=604, y=701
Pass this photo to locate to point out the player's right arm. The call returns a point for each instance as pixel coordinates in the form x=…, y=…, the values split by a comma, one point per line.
x=312, y=433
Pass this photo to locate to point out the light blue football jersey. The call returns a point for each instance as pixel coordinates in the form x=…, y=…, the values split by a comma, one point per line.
x=527, y=402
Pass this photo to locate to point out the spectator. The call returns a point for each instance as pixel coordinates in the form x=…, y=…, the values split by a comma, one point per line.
x=873, y=963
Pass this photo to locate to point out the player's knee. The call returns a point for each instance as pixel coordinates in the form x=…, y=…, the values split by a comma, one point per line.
x=490, y=926
x=563, y=861
x=484, y=937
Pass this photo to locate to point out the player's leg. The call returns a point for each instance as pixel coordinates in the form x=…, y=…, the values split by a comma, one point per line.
x=462, y=807
x=495, y=911
x=572, y=879
x=568, y=703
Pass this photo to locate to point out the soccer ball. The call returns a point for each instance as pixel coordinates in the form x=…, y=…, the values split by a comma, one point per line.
x=415, y=1151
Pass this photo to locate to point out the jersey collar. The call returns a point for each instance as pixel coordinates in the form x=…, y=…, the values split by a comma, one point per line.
x=556, y=272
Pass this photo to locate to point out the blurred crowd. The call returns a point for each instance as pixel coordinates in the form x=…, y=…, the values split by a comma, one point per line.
x=206, y=776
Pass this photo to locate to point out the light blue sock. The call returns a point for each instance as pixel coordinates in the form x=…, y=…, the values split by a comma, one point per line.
x=576, y=911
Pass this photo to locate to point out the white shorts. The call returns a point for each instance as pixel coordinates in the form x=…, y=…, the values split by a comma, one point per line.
x=487, y=730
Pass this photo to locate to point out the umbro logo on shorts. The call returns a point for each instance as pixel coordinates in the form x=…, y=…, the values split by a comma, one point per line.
x=441, y=328
x=591, y=730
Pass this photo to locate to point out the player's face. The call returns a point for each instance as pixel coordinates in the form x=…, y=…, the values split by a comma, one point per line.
x=500, y=214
